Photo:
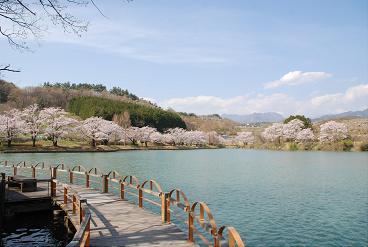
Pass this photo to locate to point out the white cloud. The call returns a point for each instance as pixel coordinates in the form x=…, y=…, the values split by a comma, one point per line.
x=238, y=104
x=141, y=43
x=353, y=98
x=294, y=78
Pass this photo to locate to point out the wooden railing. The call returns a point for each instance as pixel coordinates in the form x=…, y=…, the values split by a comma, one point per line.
x=200, y=222
x=80, y=208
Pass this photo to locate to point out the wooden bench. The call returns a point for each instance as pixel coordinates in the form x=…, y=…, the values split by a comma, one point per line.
x=26, y=184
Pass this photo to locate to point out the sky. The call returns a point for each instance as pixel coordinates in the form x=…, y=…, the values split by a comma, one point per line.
x=237, y=57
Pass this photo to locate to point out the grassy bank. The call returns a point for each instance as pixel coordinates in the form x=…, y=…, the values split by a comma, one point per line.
x=342, y=146
x=74, y=146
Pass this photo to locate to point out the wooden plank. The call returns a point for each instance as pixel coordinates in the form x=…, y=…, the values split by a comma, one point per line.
x=116, y=222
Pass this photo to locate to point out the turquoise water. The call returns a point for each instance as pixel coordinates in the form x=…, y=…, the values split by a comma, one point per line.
x=272, y=198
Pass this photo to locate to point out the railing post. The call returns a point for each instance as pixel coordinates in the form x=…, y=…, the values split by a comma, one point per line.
x=168, y=214
x=140, y=197
x=53, y=173
x=87, y=180
x=2, y=198
x=74, y=202
x=14, y=171
x=33, y=172
x=53, y=188
x=190, y=226
x=80, y=211
x=164, y=207
x=71, y=176
x=105, y=184
x=65, y=195
x=88, y=230
x=122, y=190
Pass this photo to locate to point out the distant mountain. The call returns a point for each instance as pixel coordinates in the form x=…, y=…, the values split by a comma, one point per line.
x=363, y=114
x=267, y=117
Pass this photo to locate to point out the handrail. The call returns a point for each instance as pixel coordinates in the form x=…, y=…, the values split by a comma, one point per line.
x=113, y=174
x=79, y=168
x=175, y=197
x=177, y=202
x=131, y=180
x=209, y=226
x=234, y=238
x=95, y=171
x=63, y=167
x=82, y=236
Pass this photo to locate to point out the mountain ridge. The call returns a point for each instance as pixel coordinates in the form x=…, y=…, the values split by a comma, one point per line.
x=256, y=117
x=362, y=113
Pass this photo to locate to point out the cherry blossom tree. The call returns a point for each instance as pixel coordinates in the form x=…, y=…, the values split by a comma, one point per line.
x=244, y=138
x=157, y=138
x=11, y=125
x=58, y=124
x=111, y=130
x=34, y=121
x=291, y=129
x=332, y=131
x=195, y=137
x=167, y=139
x=214, y=138
x=145, y=134
x=178, y=135
x=273, y=133
x=305, y=136
x=132, y=134
x=98, y=129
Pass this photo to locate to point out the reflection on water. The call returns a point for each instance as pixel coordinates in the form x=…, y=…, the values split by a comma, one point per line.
x=35, y=229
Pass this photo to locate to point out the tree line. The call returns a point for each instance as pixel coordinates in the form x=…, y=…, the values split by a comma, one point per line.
x=90, y=86
x=55, y=123
x=140, y=116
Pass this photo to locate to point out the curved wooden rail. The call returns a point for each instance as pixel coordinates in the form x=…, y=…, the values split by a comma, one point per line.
x=95, y=171
x=234, y=238
x=114, y=175
x=61, y=167
x=175, y=197
x=179, y=197
x=208, y=226
x=79, y=207
x=79, y=168
x=132, y=181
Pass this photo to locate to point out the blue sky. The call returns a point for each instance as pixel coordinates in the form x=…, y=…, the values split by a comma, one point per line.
x=308, y=57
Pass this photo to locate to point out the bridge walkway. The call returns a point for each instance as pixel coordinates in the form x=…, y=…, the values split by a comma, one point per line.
x=117, y=222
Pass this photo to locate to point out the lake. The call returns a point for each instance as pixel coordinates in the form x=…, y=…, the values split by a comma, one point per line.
x=272, y=198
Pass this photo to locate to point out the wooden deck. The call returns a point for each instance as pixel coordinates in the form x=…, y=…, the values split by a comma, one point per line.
x=120, y=223
x=104, y=219
x=14, y=195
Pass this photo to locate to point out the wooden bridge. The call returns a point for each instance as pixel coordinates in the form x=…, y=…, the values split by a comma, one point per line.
x=114, y=210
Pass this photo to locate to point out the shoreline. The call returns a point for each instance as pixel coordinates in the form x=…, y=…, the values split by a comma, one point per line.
x=102, y=150
x=163, y=148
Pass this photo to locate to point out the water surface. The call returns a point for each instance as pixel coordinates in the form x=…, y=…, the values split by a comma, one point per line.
x=272, y=198
x=41, y=229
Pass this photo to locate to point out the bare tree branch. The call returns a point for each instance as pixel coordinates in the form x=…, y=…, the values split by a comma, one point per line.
x=24, y=20
x=7, y=68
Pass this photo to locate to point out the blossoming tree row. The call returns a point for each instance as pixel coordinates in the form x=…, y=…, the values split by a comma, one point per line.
x=294, y=130
x=55, y=124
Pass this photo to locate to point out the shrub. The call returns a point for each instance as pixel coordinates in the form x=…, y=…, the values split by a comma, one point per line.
x=347, y=145
x=306, y=121
x=364, y=147
x=293, y=147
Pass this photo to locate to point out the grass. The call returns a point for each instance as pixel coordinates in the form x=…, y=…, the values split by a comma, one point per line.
x=83, y=146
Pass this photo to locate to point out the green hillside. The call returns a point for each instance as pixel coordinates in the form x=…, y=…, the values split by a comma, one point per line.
x=140, y=115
